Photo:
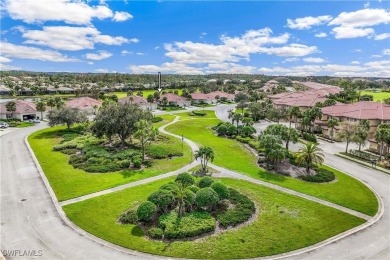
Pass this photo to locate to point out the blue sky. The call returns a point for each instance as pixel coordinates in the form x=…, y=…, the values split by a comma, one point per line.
x=337, y=38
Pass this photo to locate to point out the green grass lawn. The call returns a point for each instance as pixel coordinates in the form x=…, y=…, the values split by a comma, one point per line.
x=378, y=96
x=68, y=182
x=145, y=92
x=346, y=191
x=285, y=223
x=210, y=114
x=24, y=124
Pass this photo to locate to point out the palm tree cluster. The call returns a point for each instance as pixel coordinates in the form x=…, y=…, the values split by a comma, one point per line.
x=205, y=154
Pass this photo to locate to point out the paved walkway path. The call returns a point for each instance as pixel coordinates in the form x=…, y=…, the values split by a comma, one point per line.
x=223, y=172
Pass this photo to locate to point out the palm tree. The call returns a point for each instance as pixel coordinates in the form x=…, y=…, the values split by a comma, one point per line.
x=309, y=155
x=145, y=133
x=346, y=133
x=180, y=195
x=11, y=107
x=205, y=154
x=150, y=100
x=236, y=117
x=332, y=123
x=294, y=112
x=41, y=107
x=382, y=135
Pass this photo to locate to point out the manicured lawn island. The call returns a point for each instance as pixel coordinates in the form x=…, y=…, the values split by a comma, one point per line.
x=284, y=223
x=69, y=182
x=345, y=191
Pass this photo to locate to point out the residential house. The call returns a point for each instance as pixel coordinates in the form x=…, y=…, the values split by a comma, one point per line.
x=4, y=90
x=176, y=100
x=375, y=112
x=87, y=104
x=25, y=110
x=140, y=101
x=201, y=98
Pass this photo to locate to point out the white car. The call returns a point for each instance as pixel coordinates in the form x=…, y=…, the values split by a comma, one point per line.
x=4, y=125
x=35, y=121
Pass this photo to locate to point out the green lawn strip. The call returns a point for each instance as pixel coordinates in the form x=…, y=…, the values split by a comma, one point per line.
x=68, y=182
x=146, y=93
x=24, y=124
x=346, y=191
x=210, y=114
x=377, y=96
x=285, y=223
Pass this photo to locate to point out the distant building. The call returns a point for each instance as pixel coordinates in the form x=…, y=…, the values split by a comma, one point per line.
x=4, y=90
x=87, y=104
x=211, y=98
x=375, y=112
x=25, y=110
x=140, y=101
x=176, y=100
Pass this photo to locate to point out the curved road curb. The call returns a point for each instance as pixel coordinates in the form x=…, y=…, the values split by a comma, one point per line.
x=145, y=255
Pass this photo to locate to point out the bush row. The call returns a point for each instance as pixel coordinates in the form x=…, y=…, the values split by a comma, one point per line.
x=322, y=175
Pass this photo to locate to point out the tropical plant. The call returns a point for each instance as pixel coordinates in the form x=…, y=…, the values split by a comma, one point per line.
x=332, y=123
x=205, y=154
x=294, y=113
x=11, y=107
x=41, y=107
x=382, y=136
x=145, y=133
x=347, y=132
x=236, y=117
x=310, y=155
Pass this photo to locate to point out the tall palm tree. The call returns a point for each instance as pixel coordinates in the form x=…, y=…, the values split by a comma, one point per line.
x=41, y=107
x=180, y=196
x=205, y=154
x=347, y=132
x=237, y=117
x=309, y=155
x=381, y=136
x=332, y=123
x=294, y=112
x=11, y=107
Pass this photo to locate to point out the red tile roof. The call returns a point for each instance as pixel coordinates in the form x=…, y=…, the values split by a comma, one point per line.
x=359, y=110
x=173, y=97
x=83, y=103
x=22, y=107
x=299, y=99
x=222, y=94
x=136, y=100
x=201, y=96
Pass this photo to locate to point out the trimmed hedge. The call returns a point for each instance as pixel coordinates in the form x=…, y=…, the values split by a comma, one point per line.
x=206, y=181
x=185, y=179
x=129, y=217
x=190, y=225
x=146, y=211
x=243, y=210
x=221, y=189
x=156, y=119
x=156, y=233
x=207, y=198
x=323, y=175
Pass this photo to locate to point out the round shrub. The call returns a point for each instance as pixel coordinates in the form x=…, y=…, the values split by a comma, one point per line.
x=162, y=199
x=193, y=188
x=322, y=175
x=137, y=162
x=129, y=217
x=206, y=181
x=146, y=211
x=155, y=233
x=170, y=186
x=190, y=197
x=185, y=179
x=221, y=190
x=156, y=119
x=206, y=198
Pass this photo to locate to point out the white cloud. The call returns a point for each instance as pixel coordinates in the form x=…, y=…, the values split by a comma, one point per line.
x=167, y=67
x=4, y=59
x=376, y=56
x=367, y=4
x=290, y=60
x=386, y=52
x=121, y=16
x=24, y=52
x=140, y=53
x=157, y=47
x=355, y=62
x=362, y=18
x=352, y=32
x=359, y=23
x=70, y=38
x=307, y=22
x=6, y=67
x=90, y=63
x=125, y=52
x=294, y=49
x=382, y=36
x=101, y=70
x=314, y=60
x=71, y=12
x=229, y=68
x=134, y=40
x=369, y=69
x=321, y=35
x=98, y=56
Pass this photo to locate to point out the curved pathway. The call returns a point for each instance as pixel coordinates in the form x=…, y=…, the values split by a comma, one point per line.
x=34, y=223
x=370, y=243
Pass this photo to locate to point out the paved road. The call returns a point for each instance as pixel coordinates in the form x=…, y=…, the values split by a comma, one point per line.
x=371, y=243
x=33, y=224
